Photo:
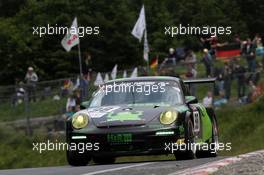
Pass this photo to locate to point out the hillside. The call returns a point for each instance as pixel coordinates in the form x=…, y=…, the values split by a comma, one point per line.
x=243, y=127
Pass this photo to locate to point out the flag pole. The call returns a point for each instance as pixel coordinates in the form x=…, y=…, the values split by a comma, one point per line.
x=146, y=50
x=80, y=58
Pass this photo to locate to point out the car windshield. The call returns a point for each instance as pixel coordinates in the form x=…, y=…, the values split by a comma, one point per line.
x=141, y=92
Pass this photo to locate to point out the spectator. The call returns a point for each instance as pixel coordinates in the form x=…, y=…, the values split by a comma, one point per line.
x=206, y=42
x=77, y=96
x=257, y=42
x=208, y=100
x=237, y=39
x=213, y=43
x=19, y=95
x=67, y=87
x=218, y=73
x=249, y=51
x=84, y=82
x=259, y=46
x=31, y=79
x=208, y=62
x=251, y=90
x=191, y=74
x=190, y=58
x=227, y=76
x=172, y=56
x=241, y=80
x=221, y=100
x=71, y=104
x=256, y=76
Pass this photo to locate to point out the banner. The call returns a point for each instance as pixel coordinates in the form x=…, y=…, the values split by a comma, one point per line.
x=140, y=25
x=99, y=80
x=134, y=73
x=154, y=63
x=106, y=79
x=125, y=74
x=71, y=38
x=228, y=51
x=114, y=72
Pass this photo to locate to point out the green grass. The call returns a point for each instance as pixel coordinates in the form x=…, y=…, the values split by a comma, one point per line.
x=41, y=108
x=243, y=127
x=16, y=150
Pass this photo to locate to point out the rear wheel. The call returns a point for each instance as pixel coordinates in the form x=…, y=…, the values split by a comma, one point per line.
x=104, y=160
x=212, y=151
x=188, y=150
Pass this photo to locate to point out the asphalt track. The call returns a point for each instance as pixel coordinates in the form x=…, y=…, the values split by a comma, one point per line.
x=137, y=168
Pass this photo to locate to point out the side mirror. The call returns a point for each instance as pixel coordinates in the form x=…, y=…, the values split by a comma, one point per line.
x=85, y=105
x=191, y=99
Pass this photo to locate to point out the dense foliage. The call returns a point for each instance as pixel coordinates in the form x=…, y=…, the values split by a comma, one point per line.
x=19, y=48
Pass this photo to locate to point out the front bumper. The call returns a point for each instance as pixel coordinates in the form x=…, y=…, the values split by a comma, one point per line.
x=124, y=142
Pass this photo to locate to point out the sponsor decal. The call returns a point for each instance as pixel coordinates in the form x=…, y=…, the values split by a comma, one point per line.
x=99, y=112
x=122, y=116
x=119, y=138
x=196, y=123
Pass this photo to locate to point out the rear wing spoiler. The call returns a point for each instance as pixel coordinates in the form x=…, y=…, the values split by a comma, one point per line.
x=199, y=81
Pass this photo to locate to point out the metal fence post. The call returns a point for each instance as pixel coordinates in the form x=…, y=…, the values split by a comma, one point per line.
x=28, y=129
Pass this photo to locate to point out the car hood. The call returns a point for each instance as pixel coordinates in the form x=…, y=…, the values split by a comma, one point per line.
x=124, y=115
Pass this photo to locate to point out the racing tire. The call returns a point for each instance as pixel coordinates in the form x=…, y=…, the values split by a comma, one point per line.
x=77, y=159
x=189, y=140
x=104, y=160
x=212, y=151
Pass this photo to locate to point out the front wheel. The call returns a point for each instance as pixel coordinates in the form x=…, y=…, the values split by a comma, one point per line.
x=77, y=159
x=189, y=152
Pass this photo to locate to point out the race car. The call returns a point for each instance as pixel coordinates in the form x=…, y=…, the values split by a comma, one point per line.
x=141, y=116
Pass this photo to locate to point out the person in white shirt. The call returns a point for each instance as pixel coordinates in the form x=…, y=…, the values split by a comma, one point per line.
x=31, y=79
x=208, y=100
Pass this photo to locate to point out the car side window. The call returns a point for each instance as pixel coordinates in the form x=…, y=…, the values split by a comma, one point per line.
x=185, y=89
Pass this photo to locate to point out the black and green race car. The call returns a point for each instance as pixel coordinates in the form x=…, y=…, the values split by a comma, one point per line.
x=142, y=116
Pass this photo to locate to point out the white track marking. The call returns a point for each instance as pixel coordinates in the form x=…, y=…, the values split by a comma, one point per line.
x=211, y=167
x=115, y=169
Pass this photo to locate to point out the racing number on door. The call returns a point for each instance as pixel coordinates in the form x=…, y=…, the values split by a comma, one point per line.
x=196, y=121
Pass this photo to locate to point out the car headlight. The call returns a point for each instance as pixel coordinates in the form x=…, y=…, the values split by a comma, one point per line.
x=79, y=121
x=168, y=117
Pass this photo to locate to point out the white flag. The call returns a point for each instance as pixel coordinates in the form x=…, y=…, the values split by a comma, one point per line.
x=77, y=85
x=99, y=79
x=125, y=74
x=71, y=38
x=140, y=25
x=146, y=48
x=106, y=77
x=134, y=73
x=114, y=72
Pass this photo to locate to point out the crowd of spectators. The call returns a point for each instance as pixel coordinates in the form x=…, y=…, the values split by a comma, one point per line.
x=246, y=76
x=243, y=70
